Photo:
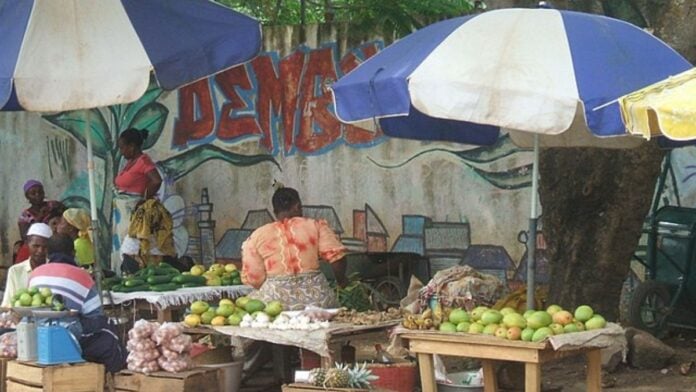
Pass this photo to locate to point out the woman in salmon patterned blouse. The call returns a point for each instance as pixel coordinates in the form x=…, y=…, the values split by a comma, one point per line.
x=281, y=259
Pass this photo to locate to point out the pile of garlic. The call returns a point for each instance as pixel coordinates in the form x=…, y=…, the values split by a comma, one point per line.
x=283, y=322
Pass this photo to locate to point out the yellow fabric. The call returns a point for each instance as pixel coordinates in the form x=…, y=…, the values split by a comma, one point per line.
x=80, y=219
x=665, y=108
x=151, y=219
x=84, y=252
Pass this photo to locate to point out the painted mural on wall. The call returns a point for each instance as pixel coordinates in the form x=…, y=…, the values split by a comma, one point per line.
x=105, y=127
x=274, y=117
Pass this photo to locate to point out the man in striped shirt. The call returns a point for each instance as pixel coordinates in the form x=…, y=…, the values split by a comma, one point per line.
x=97, y=337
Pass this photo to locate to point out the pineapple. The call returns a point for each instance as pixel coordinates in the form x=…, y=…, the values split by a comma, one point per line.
x=360, y=376
x=337, y=377
x=317, y=377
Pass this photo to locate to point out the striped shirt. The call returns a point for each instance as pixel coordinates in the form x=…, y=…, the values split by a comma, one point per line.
x=73, y=283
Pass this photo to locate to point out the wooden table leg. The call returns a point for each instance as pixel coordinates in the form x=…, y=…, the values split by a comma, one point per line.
x=532, y=377
x=164, y=315
x=490, y=381
x=594, y=370
x=427, y=372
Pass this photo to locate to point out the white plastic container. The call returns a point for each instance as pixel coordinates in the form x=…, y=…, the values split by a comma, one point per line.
x=460, y=383
x=26, y=340
x=231, y=375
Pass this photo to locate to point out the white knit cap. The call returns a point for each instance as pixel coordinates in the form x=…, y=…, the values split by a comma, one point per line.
x=40, y=229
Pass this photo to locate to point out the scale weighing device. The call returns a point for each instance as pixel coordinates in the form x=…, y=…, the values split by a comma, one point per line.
x=48, y=343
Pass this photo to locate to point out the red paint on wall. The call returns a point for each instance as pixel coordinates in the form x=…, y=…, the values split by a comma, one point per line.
x=192, y=124
x=232, y=124
x=291, y=73
x=269, y=98
x=296, y=91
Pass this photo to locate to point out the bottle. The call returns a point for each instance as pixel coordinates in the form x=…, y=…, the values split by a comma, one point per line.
x=382, y=356
x=26, y=340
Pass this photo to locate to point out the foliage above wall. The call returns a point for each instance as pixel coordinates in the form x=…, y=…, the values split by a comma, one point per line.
x=394, y=17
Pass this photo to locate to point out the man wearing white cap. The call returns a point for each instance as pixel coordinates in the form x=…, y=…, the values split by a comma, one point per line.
x=18, y=275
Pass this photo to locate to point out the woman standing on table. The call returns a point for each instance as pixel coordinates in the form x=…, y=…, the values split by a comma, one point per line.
x=138, y=180
x=281, y=259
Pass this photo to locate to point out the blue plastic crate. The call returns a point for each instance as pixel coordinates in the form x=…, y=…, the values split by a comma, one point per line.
x=57, y=345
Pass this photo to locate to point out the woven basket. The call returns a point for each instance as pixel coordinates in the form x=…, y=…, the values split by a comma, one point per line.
x=399, y=377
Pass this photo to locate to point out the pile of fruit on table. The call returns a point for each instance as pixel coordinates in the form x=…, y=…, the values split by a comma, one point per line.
x=36, y=298
x=246, y=312
x=228, y=312
x=532, y=326
x=167, y=278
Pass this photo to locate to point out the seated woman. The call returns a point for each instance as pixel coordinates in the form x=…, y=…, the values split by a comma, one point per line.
x=281, y=259
x=39, y=211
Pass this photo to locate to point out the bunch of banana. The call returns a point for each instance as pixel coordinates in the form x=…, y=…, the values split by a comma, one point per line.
x=421, y=321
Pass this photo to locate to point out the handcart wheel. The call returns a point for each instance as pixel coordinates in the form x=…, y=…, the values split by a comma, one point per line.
x=649, y=306
x=386, y=293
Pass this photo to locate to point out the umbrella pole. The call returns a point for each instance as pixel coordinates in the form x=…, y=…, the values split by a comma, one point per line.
x=93, y=209
x=531, y=238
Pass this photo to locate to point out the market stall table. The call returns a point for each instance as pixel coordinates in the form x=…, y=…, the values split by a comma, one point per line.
x=490, y=349
x=166, y=301
x=325, y=342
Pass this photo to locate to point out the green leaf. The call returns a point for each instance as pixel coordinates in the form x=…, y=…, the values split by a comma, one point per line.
x=126, y=119
x=502, y=148
x=76, y=122
x=182, y=164
x=151, y=117
x=517, y=178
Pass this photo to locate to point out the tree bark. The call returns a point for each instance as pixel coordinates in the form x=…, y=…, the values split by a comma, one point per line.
x=594, y=201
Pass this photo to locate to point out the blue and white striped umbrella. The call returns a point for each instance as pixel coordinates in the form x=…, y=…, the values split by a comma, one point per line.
x=76, y=54
x=551, y=77
x=542, y=71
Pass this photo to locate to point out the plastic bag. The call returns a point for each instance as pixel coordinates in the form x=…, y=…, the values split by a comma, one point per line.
x=175, y=365
x=166, y=333
x=8, y=320
x=142, y=329
x=8, y=345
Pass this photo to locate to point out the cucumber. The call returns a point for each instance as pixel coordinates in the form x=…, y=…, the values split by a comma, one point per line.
x=164, y=287
x=165, y=269
x=134, y=282
x=112, y=280
x=127, y=289
x=157, y=279
x=187, y=285
x=117, y=288
x=189, y=279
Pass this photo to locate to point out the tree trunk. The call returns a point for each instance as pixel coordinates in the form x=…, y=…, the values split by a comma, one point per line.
x=594, y=202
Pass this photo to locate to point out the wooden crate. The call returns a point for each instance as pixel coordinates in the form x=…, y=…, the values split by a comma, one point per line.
x=199, y=379
x=30, y=377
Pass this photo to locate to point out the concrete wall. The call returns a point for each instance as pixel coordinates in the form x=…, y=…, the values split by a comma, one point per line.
x=271, y=120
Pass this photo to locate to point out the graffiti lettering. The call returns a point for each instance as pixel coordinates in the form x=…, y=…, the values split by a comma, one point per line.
x=237, y=115
x=274, y=99
x=196, y=119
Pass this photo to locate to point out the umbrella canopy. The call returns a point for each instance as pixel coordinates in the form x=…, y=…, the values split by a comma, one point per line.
x=666, y=108
x=77, y=54
x=541, y=71
x=551, y=77
x=80, y=54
